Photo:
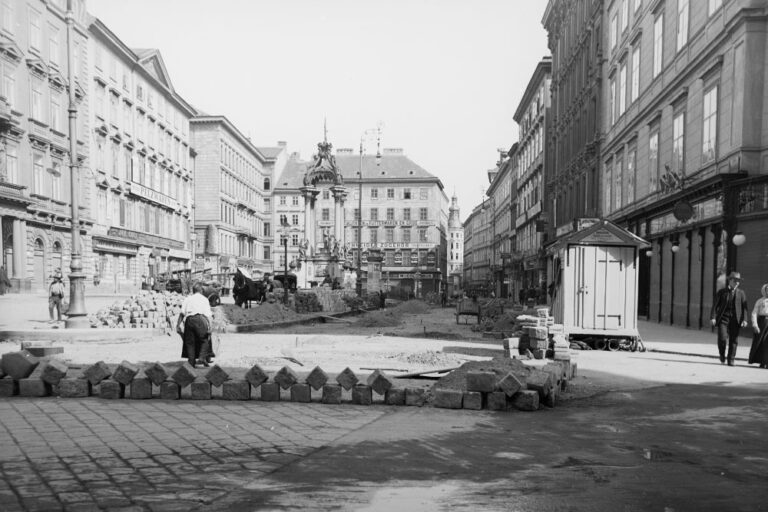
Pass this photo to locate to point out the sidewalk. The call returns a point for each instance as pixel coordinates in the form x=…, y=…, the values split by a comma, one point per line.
x=678, y=340
x=30, y=311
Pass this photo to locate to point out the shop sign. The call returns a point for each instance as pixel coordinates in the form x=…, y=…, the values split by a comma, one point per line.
x=375, y=223
x=396, y=245
x=704, y=210
x=144, y=238
x=140, y=190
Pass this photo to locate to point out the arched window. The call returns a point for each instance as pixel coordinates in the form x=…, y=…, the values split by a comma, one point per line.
x=266, y=184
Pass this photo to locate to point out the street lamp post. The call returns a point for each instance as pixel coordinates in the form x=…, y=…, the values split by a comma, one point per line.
x=359, y=281
x=76, y=314
x=285, y=225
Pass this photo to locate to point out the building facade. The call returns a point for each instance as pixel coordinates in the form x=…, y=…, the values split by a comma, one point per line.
x=404, y=218
x=502, y=194
x=575, y=35
x=477, y=250
x=233, y=198
x=141, y=164
x=35, y=175
x=684, y=161
x=535, y=166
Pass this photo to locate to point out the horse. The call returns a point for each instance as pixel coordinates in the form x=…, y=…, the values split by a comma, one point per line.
x=244, y=290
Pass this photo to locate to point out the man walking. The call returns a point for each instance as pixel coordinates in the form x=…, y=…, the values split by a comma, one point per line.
x=729, y=313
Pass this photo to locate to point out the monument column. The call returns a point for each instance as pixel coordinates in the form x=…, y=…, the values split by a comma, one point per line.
x=339, y=195
x=309, y=193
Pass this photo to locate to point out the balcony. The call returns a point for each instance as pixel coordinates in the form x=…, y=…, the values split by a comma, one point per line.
x=14, y=192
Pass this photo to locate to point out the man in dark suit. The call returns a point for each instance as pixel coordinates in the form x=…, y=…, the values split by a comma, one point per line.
x=729, y=313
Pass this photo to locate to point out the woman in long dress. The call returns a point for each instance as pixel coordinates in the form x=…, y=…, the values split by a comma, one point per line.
x=759, y=352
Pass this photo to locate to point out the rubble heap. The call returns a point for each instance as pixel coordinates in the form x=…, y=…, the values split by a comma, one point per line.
x=147, y=309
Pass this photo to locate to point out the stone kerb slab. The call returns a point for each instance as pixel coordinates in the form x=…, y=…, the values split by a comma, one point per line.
x=201, y=390
x=301, y=393
x=449, y=398
x=331, y=394
x=395, y=396
x=362, y=394
x=415, y=396
x=483, y=382
x=97, y=372
x=184, y=375
x=111, y=389
x=510, y=384
x=526, y=400
x=141, y=388
x=347, y=379
x=157, y=373
x=236, y=390
x=270, y=392
x=19, y=365
x=34, y=385
x=53, y=371
x=216, y=376
x=285, y=377
x=316, y=378
x=379, y=382
x=74, y=388
x=170, y=390
x=125, y=372
x=472, y=400
x=8, y=387
x=256, y=376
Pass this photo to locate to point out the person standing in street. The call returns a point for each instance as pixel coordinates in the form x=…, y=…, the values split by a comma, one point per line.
x=197, y=317
x=759, y=351
x=729, y=313
x=5, y=283
x=55, y=296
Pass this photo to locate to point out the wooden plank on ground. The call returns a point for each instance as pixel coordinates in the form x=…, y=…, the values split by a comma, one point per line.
x=416, y=374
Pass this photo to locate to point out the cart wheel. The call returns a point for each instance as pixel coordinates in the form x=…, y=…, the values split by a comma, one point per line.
x=613, y=345
x=600, y=344
x=637, y=344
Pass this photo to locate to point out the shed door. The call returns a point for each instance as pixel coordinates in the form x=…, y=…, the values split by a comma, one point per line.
x=585, y=283
x=609, y=288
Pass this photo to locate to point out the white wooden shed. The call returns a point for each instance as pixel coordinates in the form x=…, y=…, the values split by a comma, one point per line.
x=594, y=273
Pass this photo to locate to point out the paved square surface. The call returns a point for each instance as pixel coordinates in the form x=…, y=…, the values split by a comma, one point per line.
x=92, y=454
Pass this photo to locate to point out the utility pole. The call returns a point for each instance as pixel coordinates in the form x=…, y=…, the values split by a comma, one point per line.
x=76, y=315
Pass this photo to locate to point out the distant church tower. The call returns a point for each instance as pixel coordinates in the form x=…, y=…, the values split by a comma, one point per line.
x=455, y=246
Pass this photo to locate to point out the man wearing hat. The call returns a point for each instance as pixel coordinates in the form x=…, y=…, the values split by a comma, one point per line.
x=729, y=313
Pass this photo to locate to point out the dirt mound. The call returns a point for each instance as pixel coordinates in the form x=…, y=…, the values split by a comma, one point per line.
x=432, y=358
x=505, y=322
x=381, y=318
x=262, y=314
x=412, y=307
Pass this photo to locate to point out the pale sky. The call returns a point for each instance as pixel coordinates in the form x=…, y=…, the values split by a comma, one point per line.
x=443, y=77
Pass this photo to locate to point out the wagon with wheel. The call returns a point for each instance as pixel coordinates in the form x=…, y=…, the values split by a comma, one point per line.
x=468, y=307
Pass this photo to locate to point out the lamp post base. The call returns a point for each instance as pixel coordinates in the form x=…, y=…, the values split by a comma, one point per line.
x=76, y=314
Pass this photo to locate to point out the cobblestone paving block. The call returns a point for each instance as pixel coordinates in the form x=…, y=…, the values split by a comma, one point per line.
x=286, y=377
x=537, y=343
x=157, y=373
x=8, y=387
x=256, y=376
x=362, y=394
x=395, y=396
x=538, y=353
x=74, y=388
x=415, y=396
x=201, y=390
x=301, y=393
x=141, y=388
x=53, y=371
x=97, y=372
x=34, y=386
x=316, y=378
x=510, y=384
x=347, y=379
x=472, y=400
x=331, y=394
x=184, y=375
x=111, y=389
x=379, y=382
x=540, y=381
x=526, y=400
x=19, y=365
x=498, y=401
x=236, y=390
x=216, y=376
x=448, y=398
x=169, y=390
x=270, y=392
x=484, y=382
x=125, y=372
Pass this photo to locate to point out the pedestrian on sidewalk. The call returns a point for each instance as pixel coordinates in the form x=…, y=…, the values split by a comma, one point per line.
x=759, y=351
x=729, y=313
x=55, y=296
x=5, y=283
x=196, y=317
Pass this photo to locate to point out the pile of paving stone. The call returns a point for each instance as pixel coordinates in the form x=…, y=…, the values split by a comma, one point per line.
x=305, y=302
x=147, y=309
x=503, y=384
x=328, y=299
x=25, y=375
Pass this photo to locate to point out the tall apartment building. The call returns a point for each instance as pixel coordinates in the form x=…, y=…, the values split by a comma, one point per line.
x=233, y=194
x=685, y=156
x=502, y=194
x=35, y=178
x=404, y=216
x=534, y=170
x=575, y=29
x=477, y=250
x=141, y=163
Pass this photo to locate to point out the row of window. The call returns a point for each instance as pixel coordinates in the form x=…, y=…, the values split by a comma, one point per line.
x=231, y=244
x=239, y=218
x=325, y=215
x=389, y=235
x=150, y=174
x=118, y=210
x=250, y=174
